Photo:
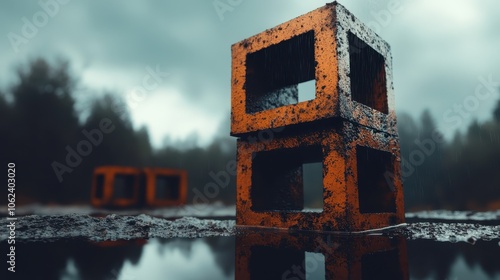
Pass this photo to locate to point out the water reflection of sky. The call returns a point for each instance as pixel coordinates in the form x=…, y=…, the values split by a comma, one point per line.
x=223, y=257
x=179, y=259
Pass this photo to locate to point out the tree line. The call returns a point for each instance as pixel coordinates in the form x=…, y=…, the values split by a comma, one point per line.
x=55, y=149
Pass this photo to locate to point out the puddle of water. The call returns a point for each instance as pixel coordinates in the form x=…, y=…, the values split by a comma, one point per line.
x=256, y=256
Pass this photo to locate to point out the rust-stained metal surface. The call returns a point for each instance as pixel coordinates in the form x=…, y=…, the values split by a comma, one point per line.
x=278, y=255
x=349, y=127
x=328, y=45
x=127, y=187
x=349, y=204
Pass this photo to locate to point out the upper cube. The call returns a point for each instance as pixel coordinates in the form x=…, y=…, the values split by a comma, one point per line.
x=323, y=65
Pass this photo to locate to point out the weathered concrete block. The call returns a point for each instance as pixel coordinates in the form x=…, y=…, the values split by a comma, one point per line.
x=350, y=64
x=362, y=187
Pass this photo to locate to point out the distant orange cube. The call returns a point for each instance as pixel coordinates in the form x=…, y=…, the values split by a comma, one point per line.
x=361, y=178
x=116, y=186
x=165, y=187
x=323, y=65
x=126, y=187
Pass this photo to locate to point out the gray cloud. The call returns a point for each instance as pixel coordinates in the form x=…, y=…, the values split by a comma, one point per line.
x=439, y=50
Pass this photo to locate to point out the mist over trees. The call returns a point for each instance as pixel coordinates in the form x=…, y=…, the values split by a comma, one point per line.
x=42, y=135
x=40, y=126
x=461, y=174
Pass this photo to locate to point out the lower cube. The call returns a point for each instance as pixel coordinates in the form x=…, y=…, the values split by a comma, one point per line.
x=362, y=187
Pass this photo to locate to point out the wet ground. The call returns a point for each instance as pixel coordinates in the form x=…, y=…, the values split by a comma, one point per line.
x=80, y=246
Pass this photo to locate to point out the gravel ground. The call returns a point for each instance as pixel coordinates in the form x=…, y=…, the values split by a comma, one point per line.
x=448, y=232
x=456, y=215
x=117, y=227
x=198, y=210
x=113, y=227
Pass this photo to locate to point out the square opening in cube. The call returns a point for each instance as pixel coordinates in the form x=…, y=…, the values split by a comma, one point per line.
x=374, y=190
x=381, y=265
x=278, y=178
x=99, y=186
x=167, y=187
x=313, y=186
x=123, y=187
x=276, y=76
x=367, y=73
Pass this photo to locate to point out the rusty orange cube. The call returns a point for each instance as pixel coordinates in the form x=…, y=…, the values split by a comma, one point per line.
x=361, y=178
x=278, y=255
x=165, y=187
x=127, y=187
x=116, y=186
x=323, y=65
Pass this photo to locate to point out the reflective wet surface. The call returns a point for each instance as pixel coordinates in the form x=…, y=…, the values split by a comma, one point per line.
x=264, y=255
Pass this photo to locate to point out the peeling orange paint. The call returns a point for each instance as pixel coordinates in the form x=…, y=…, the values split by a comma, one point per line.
x=353, y=126
x=341, y=210
x=331, y=26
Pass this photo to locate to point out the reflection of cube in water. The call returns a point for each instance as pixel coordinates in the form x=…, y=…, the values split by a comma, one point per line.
x=323, y=65
x=266, y=255
x=116, y=186
x=165, y=187
x=362, y=188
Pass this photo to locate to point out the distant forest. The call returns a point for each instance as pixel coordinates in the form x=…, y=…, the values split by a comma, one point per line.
x=41, y=125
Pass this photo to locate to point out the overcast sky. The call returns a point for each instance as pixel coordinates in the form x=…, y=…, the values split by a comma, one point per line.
x=440, y=50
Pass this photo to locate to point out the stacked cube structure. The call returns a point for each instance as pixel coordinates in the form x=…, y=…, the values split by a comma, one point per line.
x=348, y=125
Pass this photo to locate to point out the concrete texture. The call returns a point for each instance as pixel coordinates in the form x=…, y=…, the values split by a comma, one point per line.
x=351, y=65
x=349, y=205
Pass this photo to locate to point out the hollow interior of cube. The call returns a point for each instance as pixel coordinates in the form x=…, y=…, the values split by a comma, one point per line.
x=367, y=74
x=375, y=186
x=99, y=186
x=124, y=184
x=281, y=74
x=381, y=265
x=167, y=187
x=279, y=184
